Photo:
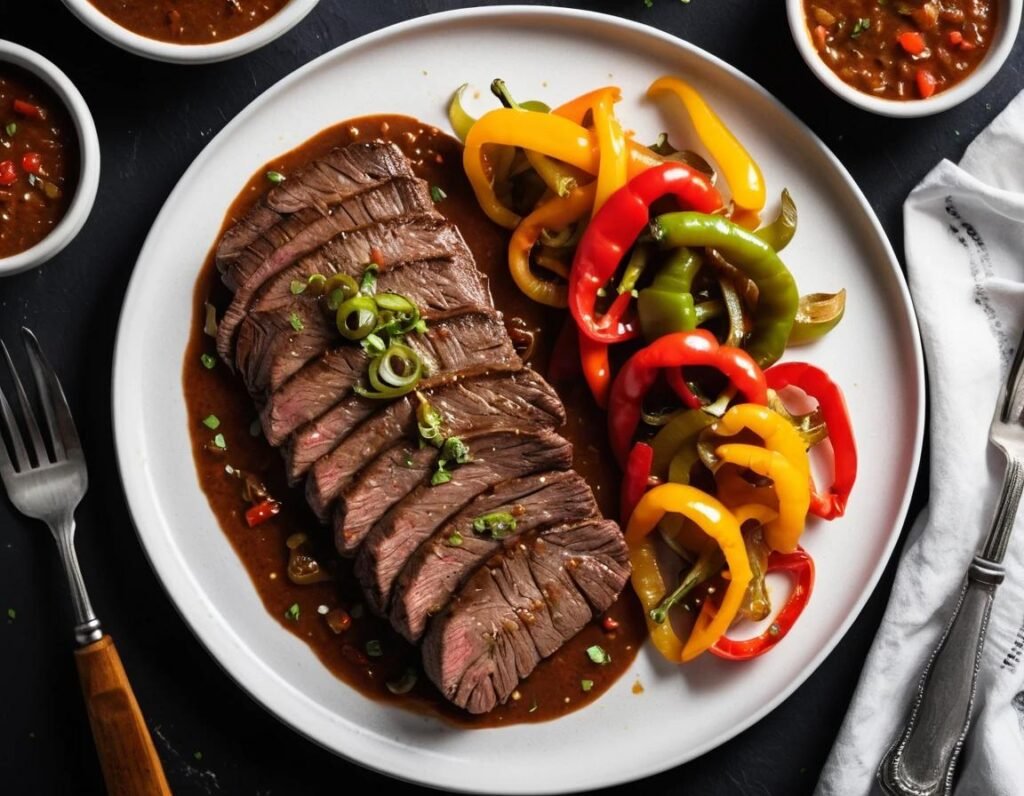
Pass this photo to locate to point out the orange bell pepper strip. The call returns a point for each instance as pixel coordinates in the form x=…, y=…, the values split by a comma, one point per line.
x=777, y=432
x=720, y=525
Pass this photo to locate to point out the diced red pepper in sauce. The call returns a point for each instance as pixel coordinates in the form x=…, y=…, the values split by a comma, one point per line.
x=925, y=83
x=261, y=512
x=28, y=110
x=912, y=42
x=31, y=162
x=8, y=173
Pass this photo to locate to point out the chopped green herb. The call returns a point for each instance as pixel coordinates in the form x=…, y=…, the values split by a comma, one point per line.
x=335, y=299
x=586, y=685
x=533, y=705
x=298, y=287
x=373, y=648
x=208, y=361
x=368, y=284
x=861, y=25
x=373, y=345
x=437, y=193
x=11, y=128
x=420, y=327
x=598, y=655
x=455, y=450
x=455, y=540
x=316, y=283
x=197, y=755
x=220, y=442
x=212, y=422
x=498, y=524
x=296, y=321
x=275, y=177
x=293, y=612
x=442, y=476
x=12, y=614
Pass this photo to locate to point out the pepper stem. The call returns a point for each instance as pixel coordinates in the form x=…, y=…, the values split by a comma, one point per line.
x=710, y=560
x=500, y=90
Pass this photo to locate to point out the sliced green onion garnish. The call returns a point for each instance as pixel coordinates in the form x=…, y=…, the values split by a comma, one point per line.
x=368, y=284
x=338, y=288
x=208, y=361
x=293, y=612
x=316, y=283
x=598, y=655
x=442, y=476
x=455, y=450
x=373, y=344
x=395, y=302
x=275, y=177
x=437, y=193
x=404, y=684
x=212, y=422
x=586, y=685
x=428, y=421
x=11, y=128
x=373, y=648
x=455, y=540
x=220, y=442
x=298, y=286
x=296, y=322
x=399, y=366
x=357, y=317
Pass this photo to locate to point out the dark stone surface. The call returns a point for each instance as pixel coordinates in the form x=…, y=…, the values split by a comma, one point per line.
x=153, y=119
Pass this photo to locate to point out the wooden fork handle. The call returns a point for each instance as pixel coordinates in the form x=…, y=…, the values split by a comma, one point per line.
x=131, y=766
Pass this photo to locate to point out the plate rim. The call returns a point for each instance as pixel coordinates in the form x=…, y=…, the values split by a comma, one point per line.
x=485, y=15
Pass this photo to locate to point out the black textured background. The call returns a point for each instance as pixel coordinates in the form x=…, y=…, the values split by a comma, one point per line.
x=153, y=119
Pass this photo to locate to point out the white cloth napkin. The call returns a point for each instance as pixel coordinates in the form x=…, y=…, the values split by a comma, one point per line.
x=965, y=258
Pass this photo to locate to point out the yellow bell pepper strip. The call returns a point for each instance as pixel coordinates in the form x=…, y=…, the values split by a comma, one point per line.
x=734, y=490
x=546, y=133
x=741, y=172
x=791, y=485
x=720, y=525
x=556, y=213
x=611, y=142
x=777, y=432
x=649, y=586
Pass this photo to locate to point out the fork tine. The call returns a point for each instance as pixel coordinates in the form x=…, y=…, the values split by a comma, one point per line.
x=7, y=422
x=1012, y=408
x=42, y=457
x=55, y=405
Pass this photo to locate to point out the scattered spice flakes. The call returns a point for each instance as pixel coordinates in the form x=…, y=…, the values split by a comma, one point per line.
x=293, y=612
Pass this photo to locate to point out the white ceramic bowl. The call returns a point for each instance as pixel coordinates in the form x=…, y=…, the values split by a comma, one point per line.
x=1006, y=32
x=88, y=153
x=279, y=24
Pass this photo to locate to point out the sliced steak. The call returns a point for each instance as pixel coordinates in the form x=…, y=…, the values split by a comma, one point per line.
x=340, y=174
x=295, y=236
x=274, y=343
x=467, y=403
x=444, y=562
x=521, y=607
x=362, y=504
x=454, y=343
x=496, y=458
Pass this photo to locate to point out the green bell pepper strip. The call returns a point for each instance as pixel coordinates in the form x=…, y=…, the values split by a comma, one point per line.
x=780, y=232
x=778, y=298
x=680, y=432
x=666, y=306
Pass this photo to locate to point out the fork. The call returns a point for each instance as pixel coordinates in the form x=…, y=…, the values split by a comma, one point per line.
x=46, y=479
x=922, y=761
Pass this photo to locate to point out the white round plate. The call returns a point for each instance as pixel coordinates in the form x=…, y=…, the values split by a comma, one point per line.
x=548, y=54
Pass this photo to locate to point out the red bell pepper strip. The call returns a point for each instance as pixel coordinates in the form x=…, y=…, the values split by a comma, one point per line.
x=637, y=479
x=28, y=110
x=261, y=512
x=613, y=230
x=597, y=369
x=816, y=383
x=677, y=350
x=800, y=567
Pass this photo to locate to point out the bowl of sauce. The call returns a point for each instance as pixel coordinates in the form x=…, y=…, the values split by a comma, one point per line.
x=49, y=159
x=904, y=57
x=190, y=31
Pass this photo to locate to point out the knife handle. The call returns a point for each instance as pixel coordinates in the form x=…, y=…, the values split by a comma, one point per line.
x=923, y=759
x=131, y=766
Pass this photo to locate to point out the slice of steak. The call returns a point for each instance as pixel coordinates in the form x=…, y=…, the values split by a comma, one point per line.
x=317, y=185
x=443, y=563
x=456, y=342
x=300, y=234
x=274, y=343
x=521, y=607
x=467, y=403
x=362, y=504
x=496, y=458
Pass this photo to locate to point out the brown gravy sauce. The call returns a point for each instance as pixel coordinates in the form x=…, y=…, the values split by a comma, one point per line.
x=555, y=688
